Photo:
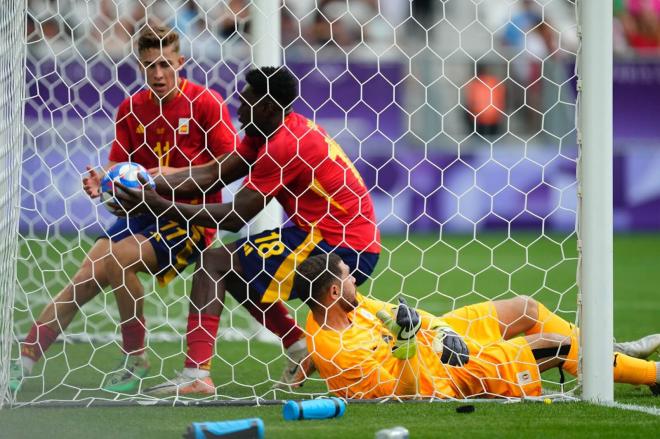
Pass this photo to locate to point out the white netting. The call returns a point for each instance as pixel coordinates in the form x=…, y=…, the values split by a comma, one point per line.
x=458, y=114
x=12, y=53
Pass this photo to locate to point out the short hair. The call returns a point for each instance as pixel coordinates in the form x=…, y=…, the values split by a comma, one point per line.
x=276, y=82
x=157, y=37
x=314, y=276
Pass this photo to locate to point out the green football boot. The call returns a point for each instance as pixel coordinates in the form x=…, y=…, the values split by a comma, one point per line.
x=127, y=378
x=16, y=376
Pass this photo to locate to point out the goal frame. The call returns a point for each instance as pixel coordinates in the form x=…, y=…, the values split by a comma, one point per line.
x=595, y=179
x=595, y=211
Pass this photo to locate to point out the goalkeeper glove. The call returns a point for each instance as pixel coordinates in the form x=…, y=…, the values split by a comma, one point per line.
x=451, y=346
x=404, y=328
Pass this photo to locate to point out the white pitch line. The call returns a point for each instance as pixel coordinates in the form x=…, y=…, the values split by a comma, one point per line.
x=632, y=407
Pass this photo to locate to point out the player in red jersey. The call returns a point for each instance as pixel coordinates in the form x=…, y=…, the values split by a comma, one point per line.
x=172, y=123
x=288, y=157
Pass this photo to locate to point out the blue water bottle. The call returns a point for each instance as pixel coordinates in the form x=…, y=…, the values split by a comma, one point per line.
x=251, y=428
x=314, y=409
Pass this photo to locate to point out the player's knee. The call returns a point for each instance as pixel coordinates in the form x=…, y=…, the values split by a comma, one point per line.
x=556, y=340
x=122, y=258
x=530, y=308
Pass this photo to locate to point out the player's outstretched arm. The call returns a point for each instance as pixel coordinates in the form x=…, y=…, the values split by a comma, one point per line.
x=226, y=216
x=209, y=177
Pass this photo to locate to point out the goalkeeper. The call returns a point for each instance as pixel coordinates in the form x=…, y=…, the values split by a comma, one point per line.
x=366, y=348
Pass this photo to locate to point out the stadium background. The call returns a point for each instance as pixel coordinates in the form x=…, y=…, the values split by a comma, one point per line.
x=405, y=130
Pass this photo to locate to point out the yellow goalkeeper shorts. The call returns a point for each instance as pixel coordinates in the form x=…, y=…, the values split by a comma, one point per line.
x=501, y=370
x=477, y=323
x=497, y=368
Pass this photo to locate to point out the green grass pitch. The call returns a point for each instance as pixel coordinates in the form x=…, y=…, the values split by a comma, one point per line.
x=442, y=275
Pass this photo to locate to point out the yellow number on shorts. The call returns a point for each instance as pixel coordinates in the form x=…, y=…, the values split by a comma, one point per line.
x=269, y=245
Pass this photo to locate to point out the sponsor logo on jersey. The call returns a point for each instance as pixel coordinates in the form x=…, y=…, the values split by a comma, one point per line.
x=366, y=314
x=524, y=377
x=184, y=125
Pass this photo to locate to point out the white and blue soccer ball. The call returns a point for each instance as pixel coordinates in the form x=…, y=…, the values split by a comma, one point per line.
x=127, y=174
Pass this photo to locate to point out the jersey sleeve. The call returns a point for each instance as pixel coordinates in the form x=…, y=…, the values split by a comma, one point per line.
x=122, y=145
x=273, y=169
x=221, y=135
x=429, y=321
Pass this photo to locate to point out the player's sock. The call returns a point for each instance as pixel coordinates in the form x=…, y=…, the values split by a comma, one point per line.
x=549, y=322
x=632, y=370
x=37, y=342
x=133, y=334
x=276, y=318
x=27, y=364
x=201, y=333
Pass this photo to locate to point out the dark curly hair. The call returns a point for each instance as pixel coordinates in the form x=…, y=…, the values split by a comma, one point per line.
x=276, y=82
x=314, y=276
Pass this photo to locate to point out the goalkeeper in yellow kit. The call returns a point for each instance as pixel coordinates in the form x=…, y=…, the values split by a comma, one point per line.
x=366, y=348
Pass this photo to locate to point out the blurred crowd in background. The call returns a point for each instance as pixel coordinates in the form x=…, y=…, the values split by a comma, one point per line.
x=637, y=27
x=55, y=26
x=503, y=55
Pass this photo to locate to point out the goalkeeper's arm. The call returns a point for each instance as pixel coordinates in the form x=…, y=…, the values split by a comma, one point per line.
x=404, y=325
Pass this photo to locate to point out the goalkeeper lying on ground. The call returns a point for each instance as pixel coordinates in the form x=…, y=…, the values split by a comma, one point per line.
x=366, y=348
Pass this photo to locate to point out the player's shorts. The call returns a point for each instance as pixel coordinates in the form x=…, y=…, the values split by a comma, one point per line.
x=268, y=260
x=175, y=246
x=477, y=323
x=497, y=367
x=499, y=370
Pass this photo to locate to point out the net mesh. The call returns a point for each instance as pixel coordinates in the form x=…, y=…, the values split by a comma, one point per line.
x=12, y=53
x=458, y=115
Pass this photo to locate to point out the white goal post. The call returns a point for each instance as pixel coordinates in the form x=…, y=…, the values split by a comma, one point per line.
x=394, y=97
x=596, y=274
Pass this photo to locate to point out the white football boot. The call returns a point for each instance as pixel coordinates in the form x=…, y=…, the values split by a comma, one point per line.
x=642, y=348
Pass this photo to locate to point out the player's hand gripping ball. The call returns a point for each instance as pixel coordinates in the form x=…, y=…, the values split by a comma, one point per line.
x=128, y=174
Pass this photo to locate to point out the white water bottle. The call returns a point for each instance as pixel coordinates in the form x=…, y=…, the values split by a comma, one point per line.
x=393, y=433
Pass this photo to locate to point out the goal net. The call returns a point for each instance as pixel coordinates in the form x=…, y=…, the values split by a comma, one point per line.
x=458, y=115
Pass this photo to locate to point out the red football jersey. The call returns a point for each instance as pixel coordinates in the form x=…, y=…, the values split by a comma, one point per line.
x=191, y=129
x=315, y=182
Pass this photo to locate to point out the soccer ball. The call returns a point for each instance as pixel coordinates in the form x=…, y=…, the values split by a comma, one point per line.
x=127, y=174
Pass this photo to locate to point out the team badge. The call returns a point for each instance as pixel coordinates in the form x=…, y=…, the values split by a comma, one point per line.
x=184, y=125
x=524, y=377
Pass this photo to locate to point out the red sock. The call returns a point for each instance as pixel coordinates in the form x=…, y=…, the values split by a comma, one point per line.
x=276, y=318
x=133, y=334
x=200, y=336
x=38, y=341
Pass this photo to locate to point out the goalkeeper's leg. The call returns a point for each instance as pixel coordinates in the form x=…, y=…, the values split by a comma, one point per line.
x=88, y=281
x=552, y=350
x=526, y=315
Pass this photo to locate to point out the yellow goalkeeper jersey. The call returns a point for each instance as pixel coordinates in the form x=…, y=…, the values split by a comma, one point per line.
x=357, y=362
